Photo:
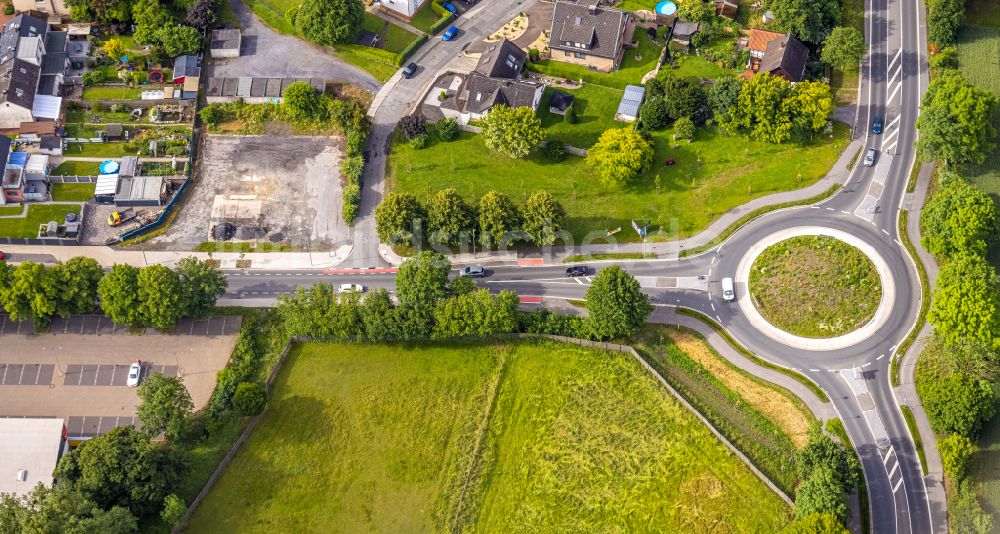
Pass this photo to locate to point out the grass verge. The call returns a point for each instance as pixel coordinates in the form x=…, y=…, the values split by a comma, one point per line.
x=753, y=357
x=925, y=299
x=918, y=443
x=836, y=427
x=214, y=246
x=608, y=256
x=72, y=192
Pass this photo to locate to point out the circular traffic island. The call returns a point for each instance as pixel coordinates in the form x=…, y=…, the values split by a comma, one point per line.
x=815, y=286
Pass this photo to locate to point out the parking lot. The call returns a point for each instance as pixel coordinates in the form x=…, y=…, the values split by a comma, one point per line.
x=101, y=325
x=296, y=179
x=82, y=377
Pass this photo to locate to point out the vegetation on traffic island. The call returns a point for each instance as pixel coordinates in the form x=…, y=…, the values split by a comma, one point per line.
x=815, y=286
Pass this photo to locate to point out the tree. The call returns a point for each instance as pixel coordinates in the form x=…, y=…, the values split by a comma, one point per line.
x=816, y=524
x=249, y=399
x=958, y=218
x=499, y=220
x=724, y=96
x=821, y=494
x=378, y=317
x=956, y=450
x=513, y=132
x=161, y=301
x=477, y=313
x=619, y=155
x=966, y=302
x=570, y=116
x=202, y=284
x=682, y=97
x=422, y=280
x=971, y=358
x=697, y=11
x=809, y=20
x=955, y=123
x=447, y=128
x=844, y=48
x=759, y=113
x=201, y=14
x=24, y=299
x=119, y=294
x=956, y=404
x=150, y=16
x=684, y=129
x=212, y=114
x=302, y=101
x=543, y=218
x=322, y=312
x=178, y=40
x=944, y=17
x=461, y=285
x=62, y=509
x=412, y=125
x=329, y=22
x=114, y=48
x=822, y=452
x=106, y=11
x=71, y=287
x=173, y=510
x=165, y=406
x=654, y=114
x=808, y=106
x=122, y=468
x=616, y=305
x=397, y=217
x=449, y=217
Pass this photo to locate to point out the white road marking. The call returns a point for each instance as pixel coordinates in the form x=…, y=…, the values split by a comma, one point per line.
x=845, y=212
x=880, y=357
x=887, y=456
x=589, y=279
x=713, y=260
x=894, y=121
x=894, y=75
x=578, y=281
x=814, y=370
x=866, y=364
x=713, y=306
x=896, y=487
x=814, y=207
x=888, y=149
x=894, y=58
x=895, y=466
x=894, y=92
x=884, y=231
x=831, y=209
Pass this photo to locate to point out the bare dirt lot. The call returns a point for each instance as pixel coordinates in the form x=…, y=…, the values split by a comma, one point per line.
x=295, y=177
x=72, y=375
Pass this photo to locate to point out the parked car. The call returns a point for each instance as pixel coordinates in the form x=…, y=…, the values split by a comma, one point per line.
x=2, y=256
x=472, y=271
x=352, y=288
x=410, y=70
x=470, y=2
x=450, y=34
x=452, y=9
x=134, y=371
x=728, y=291
x=578, y=270
x=877, y=125
x=870, y=157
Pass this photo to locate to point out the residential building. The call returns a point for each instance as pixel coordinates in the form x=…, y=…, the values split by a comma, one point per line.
x=30, y=448
x=589, y=35
x=481, y=93
x=225, y=43
x=777, y=53
x=401, y=8
x=33, y=61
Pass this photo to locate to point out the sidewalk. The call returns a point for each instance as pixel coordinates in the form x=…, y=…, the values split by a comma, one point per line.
x=107, y=256
x=394, y=259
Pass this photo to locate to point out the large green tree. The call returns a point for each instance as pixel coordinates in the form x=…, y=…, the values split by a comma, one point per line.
x=956, y=404
x=329, y=22
x=106, y=11
x=178, y=40
x=844, y=48
x=161, y=299
x=944, y=17
x=513, y=132
x=150, y=16
x=302, y=101
x=809, y=20
x=955, y=122
x=423, y=279
x=616, y=305
x=397, y=217
x=808, y=105
x=760, y=113
x=499, y=220
x=202, y=284
x=165, y=406
x=816, y=524
x=321, y=311
x=61, y=509
x=958, y=218
x=697, y=11
x=821, y=494
x=119, y=294
x=966, y=301
x=378, y=317
x=449, y=217
x=476, y=314
x=619, y=156
x=822, y=452
x=24, y=298
x=724, y=96
x=73, y=285
x=543, y=218
x=956, y=450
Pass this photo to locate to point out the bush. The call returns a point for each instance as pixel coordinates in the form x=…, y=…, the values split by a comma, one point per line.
x=443, y=21
x=249, y=398
x=419, y=141
x=534, y=54
x=684, y=129
x=212, y=114
x=447, y=129
x=356, y=142
x=410, y=48
x=96, y=77
x=955, y=453
x=946, y=58
x=555, y=150
x=412, y=125
x=352, y=202
x=352, y=169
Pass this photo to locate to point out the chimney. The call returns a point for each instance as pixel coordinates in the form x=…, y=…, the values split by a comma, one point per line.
x=592, y=9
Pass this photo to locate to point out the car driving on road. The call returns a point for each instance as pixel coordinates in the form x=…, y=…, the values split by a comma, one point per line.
x=351, y=288
x=577, y=270
x=409, y=70
x=870, y=157
x=728, y=292
x=472, y=271
x=134, y=371
x=877, y=125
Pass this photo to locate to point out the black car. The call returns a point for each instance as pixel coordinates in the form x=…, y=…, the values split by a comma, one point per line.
x=409, y=70
x=577, y=270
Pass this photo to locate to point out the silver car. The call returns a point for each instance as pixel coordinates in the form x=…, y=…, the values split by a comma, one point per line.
x=473, y=271
x=870, y=157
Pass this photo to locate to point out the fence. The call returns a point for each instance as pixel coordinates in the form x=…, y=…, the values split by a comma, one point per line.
x=72, y=179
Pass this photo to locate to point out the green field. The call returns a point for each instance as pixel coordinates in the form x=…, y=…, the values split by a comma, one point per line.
x=117, y=93
x=72, y=192
x=77, y=168
x=424, y=18
x=38, y=214
x=635, y=64
x=11, y=210
x=979, y=61
x=595, y=107
x=95, y=150
x=815, y=286
x=697, y=67
x=528, y=437
x=982, y=13
x=983, y=467
x=845, y=84
x=711, y=176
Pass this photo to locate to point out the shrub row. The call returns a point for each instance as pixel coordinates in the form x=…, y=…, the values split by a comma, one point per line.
x=351, y=171
x=411, y=48
x=443, y=21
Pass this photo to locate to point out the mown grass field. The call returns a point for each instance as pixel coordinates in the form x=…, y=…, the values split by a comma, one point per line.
x=815, y=286
x=73, y=192
x=37, y=214
x=712, y=175
x=530, y=437
x=77, y=168
x=983, y=469
x=979, y=61
x=595, y=112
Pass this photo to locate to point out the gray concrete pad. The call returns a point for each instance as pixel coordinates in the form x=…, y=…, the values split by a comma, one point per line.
x=13, y=374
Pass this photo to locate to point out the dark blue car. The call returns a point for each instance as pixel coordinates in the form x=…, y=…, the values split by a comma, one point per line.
x=877, y=125
x=450, y=34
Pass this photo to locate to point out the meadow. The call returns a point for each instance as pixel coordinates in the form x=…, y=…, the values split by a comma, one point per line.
x=529, y=436
x=979, y=61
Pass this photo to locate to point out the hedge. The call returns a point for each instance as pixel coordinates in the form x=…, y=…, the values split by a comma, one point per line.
x=442, y=22
x=411, y=48
x=352, y=202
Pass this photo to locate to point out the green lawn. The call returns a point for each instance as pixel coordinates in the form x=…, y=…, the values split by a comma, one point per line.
x=979, y=61
x=531, y=437
x=396, y=37
x=845, y=84
x=595, y=112
x=95, y=150
x=11, y=210
x=732, y=171
x=816, y=287
x=983, y=467
x=117, y=93
x=424, y=18
x=636, y=5
x=982, y=13
x=77, y=168
x=72, y=192
x=37, y=214
x=635, y=63
x=696, y=66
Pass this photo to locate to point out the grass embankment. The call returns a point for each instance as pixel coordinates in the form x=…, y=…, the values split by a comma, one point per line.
x=608, y=256
x=766, y=423
x=979, y=61
x=481, y=437
x=836, y=428
x=815, y=286
x=753, y=357
x=845, y=84
x=38, y=214
x=925, y=300
x=712, y=175
x=72, y=192
x=918, y=442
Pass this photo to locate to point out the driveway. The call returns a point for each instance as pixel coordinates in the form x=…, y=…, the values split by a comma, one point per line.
x=267, y=53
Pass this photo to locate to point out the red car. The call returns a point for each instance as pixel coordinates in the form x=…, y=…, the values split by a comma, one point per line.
x=2, y=256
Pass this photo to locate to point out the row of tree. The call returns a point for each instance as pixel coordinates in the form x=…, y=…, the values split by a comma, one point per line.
x=955, y=122
x=495, y=221
x=829, y=473
x=152, y=296
x=432, y=306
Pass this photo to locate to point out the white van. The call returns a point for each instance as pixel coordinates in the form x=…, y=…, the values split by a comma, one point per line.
x=727, y=289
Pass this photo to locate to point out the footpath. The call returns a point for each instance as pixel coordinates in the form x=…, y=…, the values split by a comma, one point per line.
x=107, y=256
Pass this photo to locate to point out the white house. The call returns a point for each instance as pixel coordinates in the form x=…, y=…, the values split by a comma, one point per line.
x=402, y=8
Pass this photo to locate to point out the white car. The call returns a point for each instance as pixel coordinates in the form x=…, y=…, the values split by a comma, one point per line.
x=352, y=288
x=870, y=157
x=728, y=291
x=134, y=371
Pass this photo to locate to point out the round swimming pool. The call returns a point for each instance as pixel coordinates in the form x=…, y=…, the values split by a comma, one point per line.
x=666, y=8
x=109, y=167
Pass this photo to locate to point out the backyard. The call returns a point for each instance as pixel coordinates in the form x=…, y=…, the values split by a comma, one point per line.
x=38, y=214
x=72, y=192
x=635, y=64
x=712, y=175
x=595, y=108
x=496, y=438
x=77, y=168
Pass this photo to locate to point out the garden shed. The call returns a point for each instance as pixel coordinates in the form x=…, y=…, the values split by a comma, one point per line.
x=628, y=108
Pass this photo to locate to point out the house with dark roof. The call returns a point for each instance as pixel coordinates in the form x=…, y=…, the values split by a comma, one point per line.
x=684, y=30
x=502, y=59
x=589, y=35
x=777, y=53
x=33, y=61
x=481, y=93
